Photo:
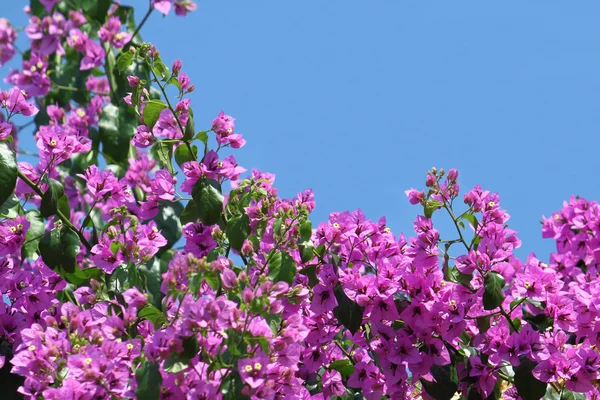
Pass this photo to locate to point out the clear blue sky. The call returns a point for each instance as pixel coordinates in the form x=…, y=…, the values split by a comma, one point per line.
x=358, y=99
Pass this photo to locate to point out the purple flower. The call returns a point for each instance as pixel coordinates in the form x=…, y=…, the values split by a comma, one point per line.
x=94, y=56
x=167, y=126
x=77, y=40
x=7, y=37
x=164, y=6
x=111, y=32
x=223, y=125
x=415, y=196
x=143, y=137
x=12, y=234
x=332, y=384
x=253, y=370
x=182, y=7
x=15, y=103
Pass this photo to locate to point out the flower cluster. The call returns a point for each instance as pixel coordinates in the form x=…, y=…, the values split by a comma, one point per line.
x=122, y=281
x=7, y=37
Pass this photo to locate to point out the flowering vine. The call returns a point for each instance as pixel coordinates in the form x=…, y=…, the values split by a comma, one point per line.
x=128, y=271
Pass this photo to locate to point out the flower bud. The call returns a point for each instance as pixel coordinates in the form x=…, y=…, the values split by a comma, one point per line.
x=452, y=174
x=229, y=279
x=247, y=248
x=133, y=81
x=176, y=67
x=431, y=180
x=132, y=50
x=247, y=295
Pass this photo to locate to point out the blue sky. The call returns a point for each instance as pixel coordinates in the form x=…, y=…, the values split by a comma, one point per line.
x=358, y=99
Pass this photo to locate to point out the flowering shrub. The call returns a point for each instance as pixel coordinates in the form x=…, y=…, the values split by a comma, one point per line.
x=131, y=273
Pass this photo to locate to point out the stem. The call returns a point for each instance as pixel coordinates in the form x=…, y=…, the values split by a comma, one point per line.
x=108, y=68
x=88, y=215
x=462, y=239
x=344, y=351
x=445, y=267
x=510, y=321
x=162, y=89
x=517, y=305
x=279, y=243
x=60, y=215
x=27, y=153
x=139, y=27
x=73, y=89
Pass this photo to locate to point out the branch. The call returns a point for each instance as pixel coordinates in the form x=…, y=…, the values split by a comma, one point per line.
x=139, y=27
x=462, y=239
x=60, y=215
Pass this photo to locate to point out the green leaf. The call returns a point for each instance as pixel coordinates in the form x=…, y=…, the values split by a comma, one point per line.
x=202, y=136
x=49, y=204
x=282, y=267
x=463, y=279
x=232, y=386
x=124, y=61
x=190, y=213
x=152, y=110
x=476, y=241
x=320, y=250
x=8, y=172
x=34, y=234
x=174, y=365
x=183, y=154
x=483, y=323
x=10, y=208
x=79, y=277
x=306, y=251
x=177, y=362
x=430, y=207
x=152, y=272
x=274, y=321
x=539, y=322
x=116, y=128
x=277, y=227
x=209, y=200
x=149, y=381
x=528, y=387
x=164, y=151
x=472, y=220
x=189, y=127
x=306, y=230
x=238, y=229
x=446, y=382
x=311, y=273
x=213, y=281
x=59, y=249
x=37, y=8
x=343, y=366
x=347, y=312
x=168, y=222
x=564, y=394
x=160, y=69
x=175, y=82
x=63, y=206
x=517, y=323
x=493, y=295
